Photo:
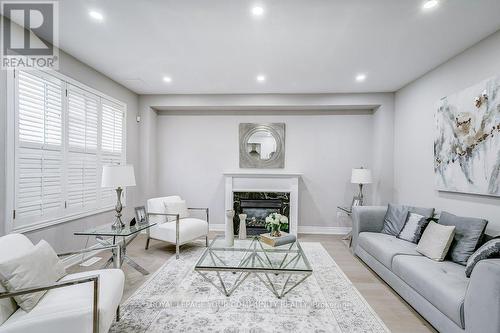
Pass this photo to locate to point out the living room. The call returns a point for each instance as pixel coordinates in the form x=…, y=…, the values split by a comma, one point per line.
x=250, y=166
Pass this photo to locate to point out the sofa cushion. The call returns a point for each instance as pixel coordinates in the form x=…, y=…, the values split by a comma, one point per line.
x=442, y=283
x=189, y=229
x=468, y=234
x=69, y=309
x=436, y=241
x=488, y=250
x=39, y=266
x=396, y=215
x=414, y=228
x=385, y=247
x=11, y=246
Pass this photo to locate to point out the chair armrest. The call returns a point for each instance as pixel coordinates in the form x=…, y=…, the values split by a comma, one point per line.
x=61, y=284
x=205, y=209
x=482, y=299
x=366, y=218
x=177, y=216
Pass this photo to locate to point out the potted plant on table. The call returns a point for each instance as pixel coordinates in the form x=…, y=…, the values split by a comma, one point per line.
x=274, y=223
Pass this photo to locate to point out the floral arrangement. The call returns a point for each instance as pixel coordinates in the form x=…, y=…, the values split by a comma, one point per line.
x=274, y=222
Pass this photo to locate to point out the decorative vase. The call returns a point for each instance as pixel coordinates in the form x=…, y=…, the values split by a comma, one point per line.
x=275, y=230
x=243, y=226
x=229, y=232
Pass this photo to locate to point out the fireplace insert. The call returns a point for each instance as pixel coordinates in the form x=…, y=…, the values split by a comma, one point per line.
x=258, y=206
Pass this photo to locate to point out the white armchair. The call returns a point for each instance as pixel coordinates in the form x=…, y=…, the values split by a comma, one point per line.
x=174, y=228
x=81, y=302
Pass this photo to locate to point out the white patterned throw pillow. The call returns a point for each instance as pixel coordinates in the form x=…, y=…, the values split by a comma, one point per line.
x=413, y=228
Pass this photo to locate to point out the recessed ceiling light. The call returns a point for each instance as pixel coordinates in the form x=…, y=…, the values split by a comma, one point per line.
x=257, y=11
x=261, y=78
x=430, y=4
x=96, y=15
x=360, y=77
x=167, y=79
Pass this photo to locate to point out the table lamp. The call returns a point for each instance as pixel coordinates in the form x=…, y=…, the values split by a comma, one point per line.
x=360, y=176
x=118, y=176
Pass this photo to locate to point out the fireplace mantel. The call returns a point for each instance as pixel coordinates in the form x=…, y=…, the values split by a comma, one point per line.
x=265, y=181
x=263, y=174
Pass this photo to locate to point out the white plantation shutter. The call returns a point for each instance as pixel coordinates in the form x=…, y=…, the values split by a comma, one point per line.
x=64, y=135
x=39, y=157
x=112, y=143
x=82, y=166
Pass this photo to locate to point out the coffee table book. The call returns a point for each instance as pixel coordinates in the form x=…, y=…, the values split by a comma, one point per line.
x=285, y=238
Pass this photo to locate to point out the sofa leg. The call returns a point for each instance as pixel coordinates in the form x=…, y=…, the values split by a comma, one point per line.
x=147, y=243
x=176, y=251
x=206, y=240
x=118, y=313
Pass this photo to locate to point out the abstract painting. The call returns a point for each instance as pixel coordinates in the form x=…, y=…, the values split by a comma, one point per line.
x=467, y=143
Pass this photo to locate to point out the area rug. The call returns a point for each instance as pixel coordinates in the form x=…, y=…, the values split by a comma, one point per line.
x=177, y=299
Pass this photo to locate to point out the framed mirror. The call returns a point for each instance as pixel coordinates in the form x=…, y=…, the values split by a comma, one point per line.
x=262, y=145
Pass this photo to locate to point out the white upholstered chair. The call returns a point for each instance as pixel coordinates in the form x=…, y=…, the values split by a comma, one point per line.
x=78, y=303
x=174, y=228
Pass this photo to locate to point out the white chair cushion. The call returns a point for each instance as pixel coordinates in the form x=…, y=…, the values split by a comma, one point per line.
x=69, y=309
x=157, y=205
x=39, y=266
x=189, y=229
x=11, y=246
x=176, y=207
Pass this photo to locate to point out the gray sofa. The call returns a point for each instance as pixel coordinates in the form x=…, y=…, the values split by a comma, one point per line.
x=439, y=291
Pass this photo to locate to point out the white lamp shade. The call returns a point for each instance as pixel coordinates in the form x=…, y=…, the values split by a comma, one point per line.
x=361, y=176
x=117, y=176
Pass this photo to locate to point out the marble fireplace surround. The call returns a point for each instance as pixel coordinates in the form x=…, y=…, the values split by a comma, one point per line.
x=265, y=181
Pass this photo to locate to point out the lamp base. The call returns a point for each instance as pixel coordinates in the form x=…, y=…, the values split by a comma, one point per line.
x=118, y=224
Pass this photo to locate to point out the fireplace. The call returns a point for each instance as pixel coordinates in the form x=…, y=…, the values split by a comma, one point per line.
x=257, y=206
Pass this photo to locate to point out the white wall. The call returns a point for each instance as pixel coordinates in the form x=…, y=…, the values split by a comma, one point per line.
x=61, y=236
x=414, y=132
x=194, y=149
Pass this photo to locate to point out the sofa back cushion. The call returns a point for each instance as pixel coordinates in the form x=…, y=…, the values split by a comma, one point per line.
x=468, y=234
x=38, y=267
x=11, y=246
x=396, y=215
x=436, y=241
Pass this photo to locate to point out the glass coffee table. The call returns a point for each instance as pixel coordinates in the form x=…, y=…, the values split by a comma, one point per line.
x=280, y=268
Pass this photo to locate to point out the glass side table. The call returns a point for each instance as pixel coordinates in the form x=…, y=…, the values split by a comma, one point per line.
x=118, y=237
x=348, y=212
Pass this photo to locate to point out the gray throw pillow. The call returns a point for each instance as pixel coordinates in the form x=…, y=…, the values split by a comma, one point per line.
x=396, y=215
x=489, y=250
x=468, y=234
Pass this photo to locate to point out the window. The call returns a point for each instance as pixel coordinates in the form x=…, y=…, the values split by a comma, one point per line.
x=64, y=134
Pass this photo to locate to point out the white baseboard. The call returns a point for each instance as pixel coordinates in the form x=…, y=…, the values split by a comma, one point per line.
x=216, y=227
x=305, y=229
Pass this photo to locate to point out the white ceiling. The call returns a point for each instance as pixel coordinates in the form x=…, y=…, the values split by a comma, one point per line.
x=302, y=46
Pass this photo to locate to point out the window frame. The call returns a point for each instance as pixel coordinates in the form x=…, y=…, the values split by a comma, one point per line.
x=12, y=144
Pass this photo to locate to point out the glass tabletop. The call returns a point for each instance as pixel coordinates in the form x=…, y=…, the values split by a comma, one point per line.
x=253, y=255
x=107, y=230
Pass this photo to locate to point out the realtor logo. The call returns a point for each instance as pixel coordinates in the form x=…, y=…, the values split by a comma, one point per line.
x=29, y=34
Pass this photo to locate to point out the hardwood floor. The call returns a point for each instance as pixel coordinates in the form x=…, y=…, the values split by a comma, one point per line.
x=395, y=312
